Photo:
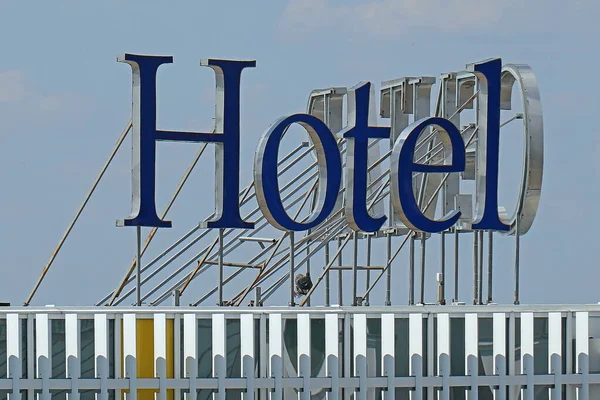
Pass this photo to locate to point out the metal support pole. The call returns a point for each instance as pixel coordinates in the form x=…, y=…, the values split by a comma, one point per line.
x=490, y=269
x=138, y=268
x=455, y=297
x=355, y=269
x=422, y=282
x=327, y=281
x=480, y=285
x=176, y=297
x=85, y=201
x=517, y=266
x=340, y=281
x=292, y=267
x=442, y=289
x=257, y=297
x=220, y=302
x=411, y=271
x=475, y=267
x=368, y=284
x=388, y=277
x=308, y=263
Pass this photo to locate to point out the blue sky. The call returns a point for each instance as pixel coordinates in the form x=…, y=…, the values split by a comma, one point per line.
x=64, y=100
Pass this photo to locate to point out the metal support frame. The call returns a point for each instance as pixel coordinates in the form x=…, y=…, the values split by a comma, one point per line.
x=292, y=265
x=442, y=284
x=422, y=278
x=340, y=276
x=274, y=256
x=368, y=279
x=517, y=264
x=480, y=284
x=490, y=266
x=220, y=301
x=138, y=263
x=411, y=271
x=354, y=268
x=475, y=267
x=456, y=278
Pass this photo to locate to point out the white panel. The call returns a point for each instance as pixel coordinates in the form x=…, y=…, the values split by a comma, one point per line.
x=100, y=342
x=275, y=354
x=190, y=365
x=247, y=353
x=160, y=341
x=513, y=390
x=304, y=354
x=30, y=373
x=118, y=327
x=430, y=353
x=129, y=353
x=527, y=365
x=388, y=352
x=415, y=351
x=555, y=352
x=582, y=352
x=472, y=354
x=443, y=353
x=13, y=353
x=499, y=353
x=177, y=353
x=101, y=353
x=331, y=354
x=42, y=342
x=129, y=343
x=72, y=354
x=219, y=353
x=360, y=355
x=160, y=354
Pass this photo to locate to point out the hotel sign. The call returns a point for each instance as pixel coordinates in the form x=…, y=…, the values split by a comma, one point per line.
x=493, y=84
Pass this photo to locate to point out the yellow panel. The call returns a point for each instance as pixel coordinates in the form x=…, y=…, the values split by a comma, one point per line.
x=144, y=329
x=145, y=355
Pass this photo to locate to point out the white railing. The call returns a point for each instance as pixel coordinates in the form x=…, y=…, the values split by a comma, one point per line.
x=428, y=352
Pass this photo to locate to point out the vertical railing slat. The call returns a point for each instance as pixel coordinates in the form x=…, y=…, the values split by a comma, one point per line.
x=219, y=351
x=160, y=354
x=388, y=350
x=13, y=353
x=118, y=349
x=430, y=353
x=190, y=363
x=30, y=354
x=247, y=353
x=555, y=353
x=499, y=353
x=72, y=360
x=582, y=350
x=332, y=334
x=527, y=365
x=101, y=353
x=303, y=330
x=513, y=390
x=177, y=354
x=263, y=362
x=360, y=355
x=415, y=351
x=276, y=355
x=347, y=393
x=42, y=342
x=570, y=389
x=130, y=353
x=443, y=353
x=472, y=354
